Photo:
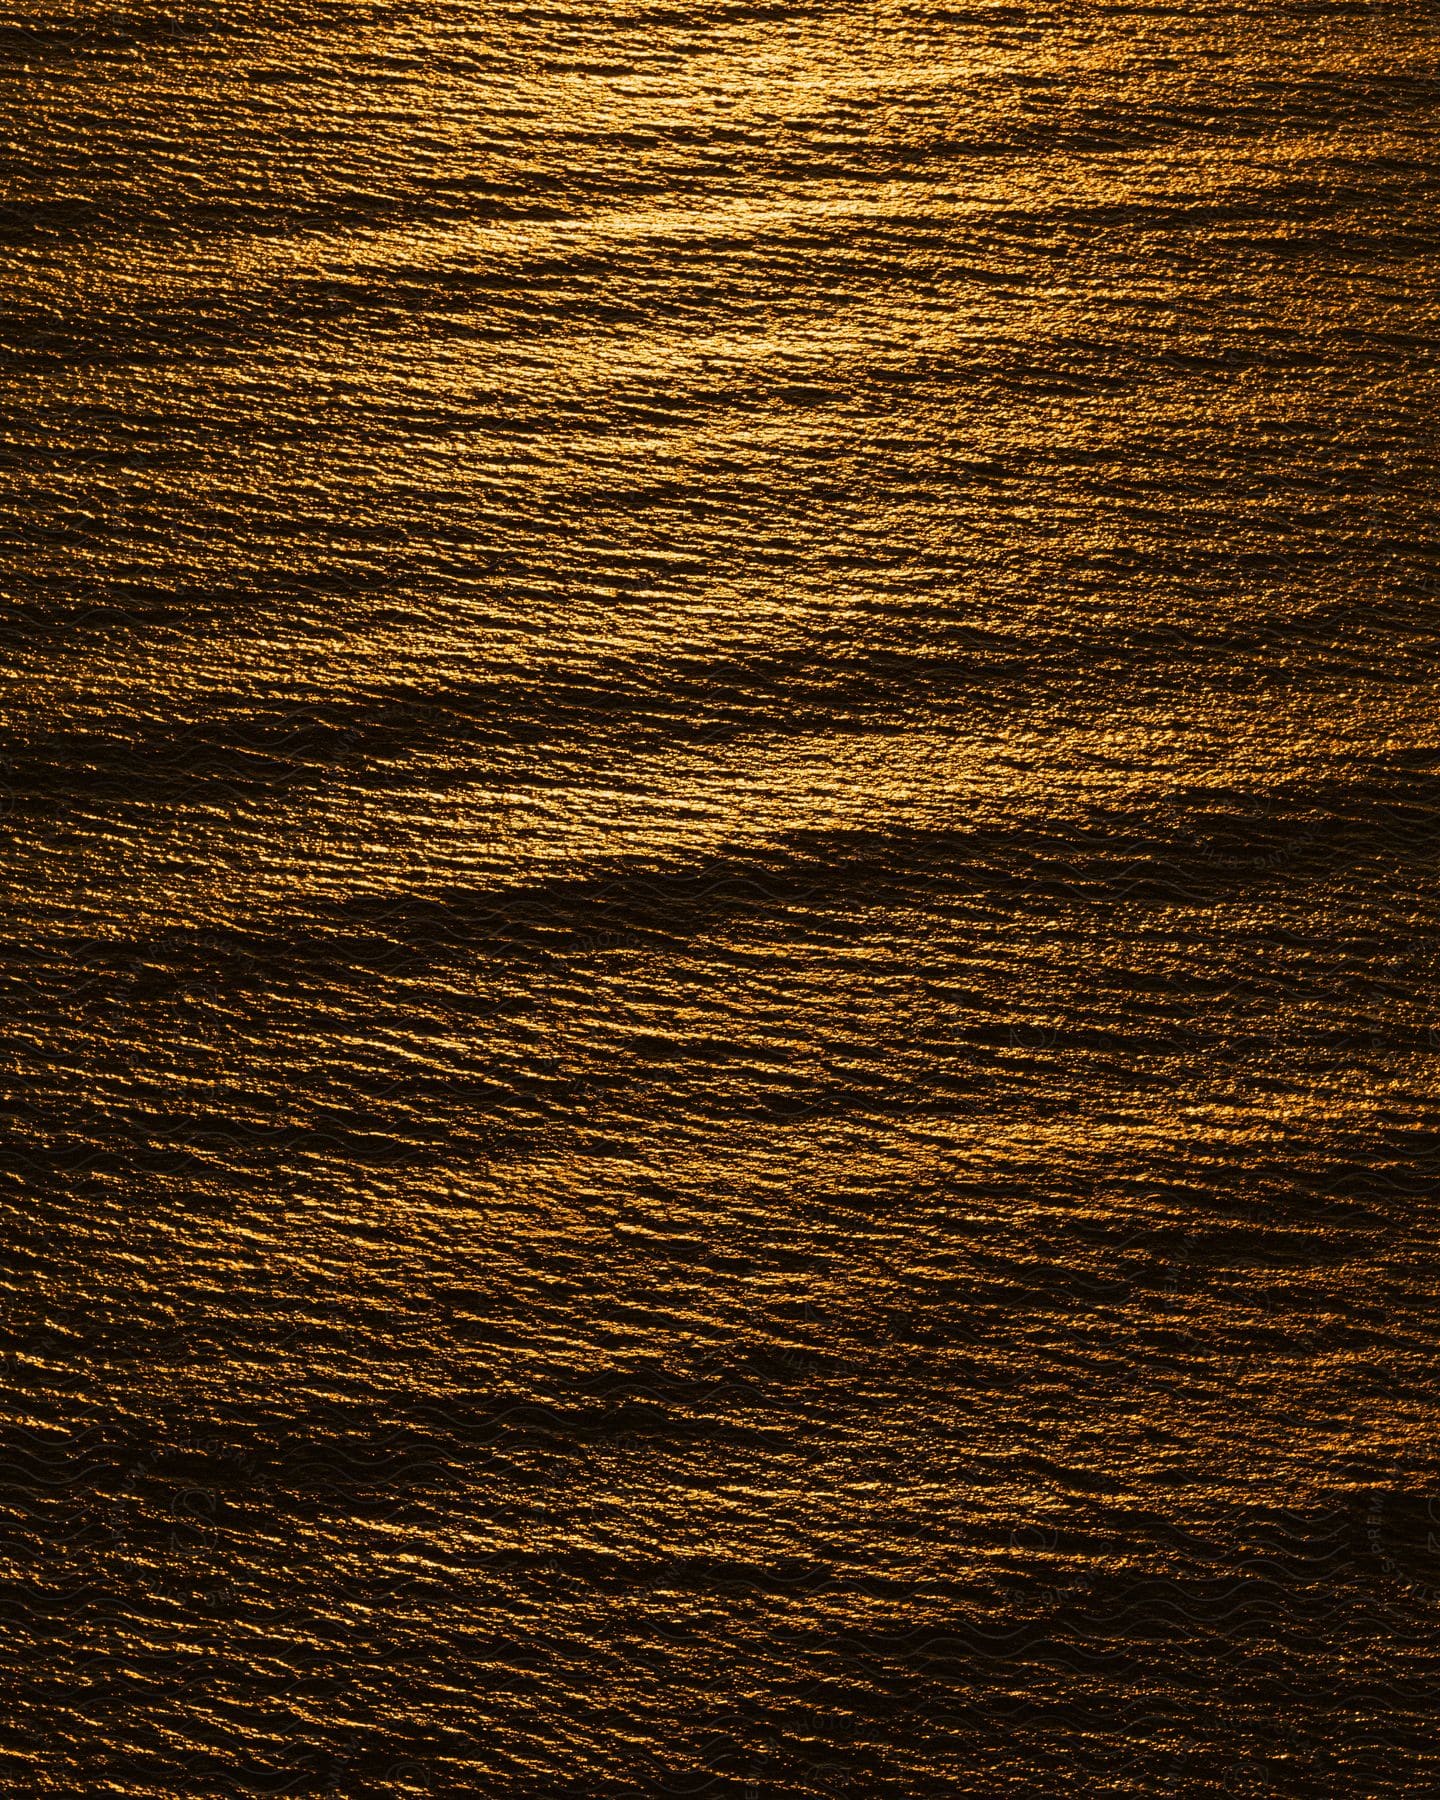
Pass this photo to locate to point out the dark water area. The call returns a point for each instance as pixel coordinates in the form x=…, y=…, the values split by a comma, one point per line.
x=720, y=761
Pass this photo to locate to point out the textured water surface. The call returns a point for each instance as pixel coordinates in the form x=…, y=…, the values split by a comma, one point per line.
x=720, y=743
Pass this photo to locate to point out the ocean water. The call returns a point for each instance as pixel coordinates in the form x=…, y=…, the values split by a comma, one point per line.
x=719, y=746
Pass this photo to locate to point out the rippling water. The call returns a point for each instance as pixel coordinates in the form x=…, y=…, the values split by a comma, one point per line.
x=721, y=748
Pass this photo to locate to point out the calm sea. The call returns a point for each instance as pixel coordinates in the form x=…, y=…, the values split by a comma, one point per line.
x=720, y=752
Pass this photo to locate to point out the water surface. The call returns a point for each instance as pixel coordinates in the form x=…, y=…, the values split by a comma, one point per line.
x=720, y=735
